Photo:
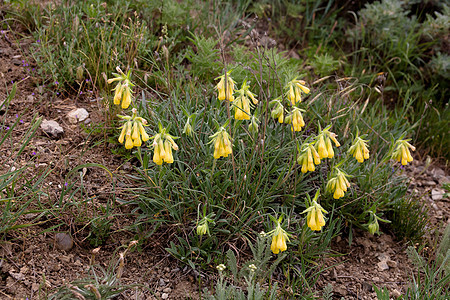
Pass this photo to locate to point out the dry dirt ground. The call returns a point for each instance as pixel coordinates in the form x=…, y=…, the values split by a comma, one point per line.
x=33, y=265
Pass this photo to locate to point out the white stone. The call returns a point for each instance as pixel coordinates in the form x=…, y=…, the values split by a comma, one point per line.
x=77, y=115
x=52, y=128
x=437, y=194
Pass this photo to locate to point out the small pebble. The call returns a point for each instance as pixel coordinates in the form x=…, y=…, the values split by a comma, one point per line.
x=63, y=241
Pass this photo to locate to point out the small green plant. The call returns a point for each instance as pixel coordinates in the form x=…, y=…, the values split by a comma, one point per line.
x=324, y=64
x=254, y=273
x=431, y=281
x=101, y=284
x=20, y=186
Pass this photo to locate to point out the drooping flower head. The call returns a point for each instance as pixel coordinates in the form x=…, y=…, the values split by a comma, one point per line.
x=323, y=143
x=294, y=89
x=307, y=157
x=163, y=143
x=279, y=237
x=338, y=184
x=315, y=219
x=359, y=149
x=373, y=226
x=123, y=90
x=133, y=131
x=295, y=118
x=242, y=103
x=253, y=127
x=278, y=110
x=203, y=223
x=401, y=151
x=225, y=87
x=222, y=143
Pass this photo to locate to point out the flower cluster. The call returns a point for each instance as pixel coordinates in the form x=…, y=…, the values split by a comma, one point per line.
x=242, y=103
x=133, y=131
x=295, y=88
x=338, y=184
x=123, y=88
x=401, y=152
x=359, y=149
x=225, y=87
x=307, y=158
x=296, y=119
x=278, y=110
x=279, y=237
x=323, y=144
x=222, y=143
x=315, y=219
x=163, y=143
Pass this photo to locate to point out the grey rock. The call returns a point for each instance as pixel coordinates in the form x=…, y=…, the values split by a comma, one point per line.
x=429, y=183
x=52, y=128
x=164, y=296
x=382, y=265
x=63, y=241
x=77, y=115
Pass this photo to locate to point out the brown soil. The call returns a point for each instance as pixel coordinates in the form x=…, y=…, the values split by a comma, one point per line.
x=32, y=264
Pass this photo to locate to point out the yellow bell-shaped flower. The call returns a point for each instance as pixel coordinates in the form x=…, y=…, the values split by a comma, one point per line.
x=295, y=88
x=401, y=152
x=279, y=238
x=242, y=108
x=123, y=88
x=315, y=219
x=295, y=118
x=359, y=149
x=307, y=158
x=222, y=143
x=225, y=87
x=338, y=185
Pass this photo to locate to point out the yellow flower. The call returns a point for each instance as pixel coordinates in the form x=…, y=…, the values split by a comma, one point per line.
x=315, y=219
x=242, y=108
x=168, y=151
x=222, y=144
x=359, y=149
x=133, y=131
x=124, y=131
x=157, y=159
x=126, y=97
x=323, y=144
x=401, y=152
x=295, y=88
x=225, y=87
x=118, y=93
x=338, y=185
x=322, y=147
x=163, y=143
x=307, y=158
x=279, y=238
x=202, y=229
x=296, y=119
x=278, y=243
x=123, y=88
x=374, y=227
x=278, y=110
x=142, y=131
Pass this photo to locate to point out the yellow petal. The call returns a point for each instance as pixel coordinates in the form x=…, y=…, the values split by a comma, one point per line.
x=126, y=98
x=128, y=142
